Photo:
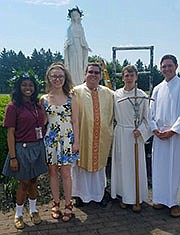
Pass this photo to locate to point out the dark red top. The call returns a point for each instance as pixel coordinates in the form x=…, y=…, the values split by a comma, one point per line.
x=25, y=119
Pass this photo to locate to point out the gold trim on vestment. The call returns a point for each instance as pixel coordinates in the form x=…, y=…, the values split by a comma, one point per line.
x=96, y=130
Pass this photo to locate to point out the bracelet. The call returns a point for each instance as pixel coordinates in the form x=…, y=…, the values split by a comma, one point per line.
x=11, y=158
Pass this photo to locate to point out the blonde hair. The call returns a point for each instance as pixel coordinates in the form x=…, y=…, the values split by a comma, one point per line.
x=68, y=84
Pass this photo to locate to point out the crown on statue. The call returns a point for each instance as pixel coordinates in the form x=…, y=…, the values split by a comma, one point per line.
x=75, y=9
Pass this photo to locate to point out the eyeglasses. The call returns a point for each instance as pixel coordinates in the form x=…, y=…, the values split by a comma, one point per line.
x=54, y=77
x=167, y=66
x=93, y=72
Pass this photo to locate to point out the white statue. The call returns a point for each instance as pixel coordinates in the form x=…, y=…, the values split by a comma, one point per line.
x=76, y=47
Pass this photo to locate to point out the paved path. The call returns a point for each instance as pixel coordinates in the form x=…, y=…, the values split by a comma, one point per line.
x=94, y=220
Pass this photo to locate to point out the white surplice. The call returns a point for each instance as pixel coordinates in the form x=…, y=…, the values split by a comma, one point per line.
x=123, y=154
x=165, y=114
x=89, y=186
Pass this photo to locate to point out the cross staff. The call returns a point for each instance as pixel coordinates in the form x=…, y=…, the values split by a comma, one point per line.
x=137, y=122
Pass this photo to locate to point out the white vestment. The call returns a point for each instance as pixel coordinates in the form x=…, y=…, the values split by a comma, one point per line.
x=84, y=182
x=123, y=154
x=164, y=115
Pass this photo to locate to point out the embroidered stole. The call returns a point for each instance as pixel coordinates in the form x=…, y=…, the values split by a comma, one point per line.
x=96, y=129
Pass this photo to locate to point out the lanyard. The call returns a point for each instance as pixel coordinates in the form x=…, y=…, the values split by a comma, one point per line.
x=34, y=113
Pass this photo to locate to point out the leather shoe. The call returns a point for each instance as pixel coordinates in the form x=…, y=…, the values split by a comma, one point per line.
x=123, y=205
x=106, y=199
x=18, y=222
x=175, y=211
x=136, y=208
x=35, y=217
x=103, y=202
x=158, y=206
x=79, y=202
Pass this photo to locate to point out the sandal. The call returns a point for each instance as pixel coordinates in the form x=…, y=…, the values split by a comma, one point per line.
x=55, y=211
x=68, y=215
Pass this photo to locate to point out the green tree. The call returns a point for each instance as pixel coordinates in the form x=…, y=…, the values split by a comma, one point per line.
x=157, y=76
x=8, y=59
x=39, y=61
x=125, y=63
x=139, y=65
x=57, y=56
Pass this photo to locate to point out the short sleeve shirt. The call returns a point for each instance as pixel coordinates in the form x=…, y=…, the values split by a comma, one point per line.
x=24, y=119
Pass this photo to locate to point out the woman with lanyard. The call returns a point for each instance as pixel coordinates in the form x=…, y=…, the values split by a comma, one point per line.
x=24, y=120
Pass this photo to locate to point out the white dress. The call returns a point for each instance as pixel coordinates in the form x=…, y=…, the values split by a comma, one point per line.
x=165, y=114
x=123, y=154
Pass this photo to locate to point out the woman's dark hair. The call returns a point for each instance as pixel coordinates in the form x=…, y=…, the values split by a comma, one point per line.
x=169, y=57
x=17, y=96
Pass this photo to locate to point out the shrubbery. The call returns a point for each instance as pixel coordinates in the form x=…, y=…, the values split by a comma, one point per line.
x=4, y=100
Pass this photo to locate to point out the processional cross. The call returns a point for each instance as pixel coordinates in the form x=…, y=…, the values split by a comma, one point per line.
x=137, y=122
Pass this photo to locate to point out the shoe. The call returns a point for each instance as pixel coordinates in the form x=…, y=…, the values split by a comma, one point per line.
x=35, y=218
x=18, y=222
x=67, y=216
x=158, y=206
x=136, y=208
x=123, y=205
x=175, y=211
x=55, y=211
x=79, y=202
x=105, y=200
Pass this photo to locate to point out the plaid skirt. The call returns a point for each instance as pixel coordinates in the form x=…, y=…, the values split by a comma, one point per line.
x=31, y=160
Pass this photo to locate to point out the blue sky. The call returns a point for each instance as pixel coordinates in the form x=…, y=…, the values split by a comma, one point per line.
x=29, y=24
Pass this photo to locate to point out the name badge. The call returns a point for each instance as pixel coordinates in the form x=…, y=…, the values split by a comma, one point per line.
x=38, y=131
